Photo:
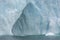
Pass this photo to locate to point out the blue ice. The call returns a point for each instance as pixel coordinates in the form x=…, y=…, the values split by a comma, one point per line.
x=29, y=17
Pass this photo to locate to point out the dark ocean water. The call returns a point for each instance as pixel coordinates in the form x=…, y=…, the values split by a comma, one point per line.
x=34, y=37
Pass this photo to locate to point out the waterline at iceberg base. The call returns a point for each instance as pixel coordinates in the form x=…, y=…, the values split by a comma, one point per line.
x=31, y=37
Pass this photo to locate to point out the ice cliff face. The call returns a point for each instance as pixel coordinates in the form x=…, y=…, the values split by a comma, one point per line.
x=10, y=10
x=29, y=17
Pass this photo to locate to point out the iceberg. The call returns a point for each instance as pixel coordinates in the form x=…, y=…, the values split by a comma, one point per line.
x=29, y=17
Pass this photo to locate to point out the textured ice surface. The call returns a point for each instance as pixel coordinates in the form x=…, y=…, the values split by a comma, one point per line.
x=29, y=17
x=10, y=10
